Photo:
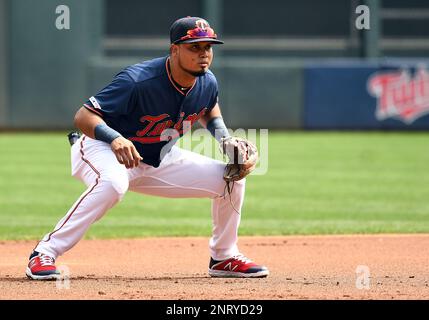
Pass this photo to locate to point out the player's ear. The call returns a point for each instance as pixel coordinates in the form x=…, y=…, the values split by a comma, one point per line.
x=174, y=48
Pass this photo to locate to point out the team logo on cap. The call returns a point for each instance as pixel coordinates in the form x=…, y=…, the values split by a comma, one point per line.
x=399, y=95
x=202, y=30
x=202, y=24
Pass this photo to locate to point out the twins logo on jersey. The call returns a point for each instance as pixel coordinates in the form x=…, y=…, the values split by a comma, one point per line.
x=156, y=127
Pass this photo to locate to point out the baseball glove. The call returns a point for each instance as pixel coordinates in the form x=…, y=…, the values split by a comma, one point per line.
x=242, y=158
x=242, y=155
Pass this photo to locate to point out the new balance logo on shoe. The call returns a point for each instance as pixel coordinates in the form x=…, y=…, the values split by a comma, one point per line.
x=229, y=267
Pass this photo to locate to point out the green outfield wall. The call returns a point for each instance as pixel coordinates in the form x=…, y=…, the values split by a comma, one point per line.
x=46, y=68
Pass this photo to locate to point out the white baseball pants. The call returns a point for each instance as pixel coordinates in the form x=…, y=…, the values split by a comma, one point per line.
x=182, y=174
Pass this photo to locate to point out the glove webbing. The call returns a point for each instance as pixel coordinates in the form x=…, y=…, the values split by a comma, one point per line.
x=229, y=185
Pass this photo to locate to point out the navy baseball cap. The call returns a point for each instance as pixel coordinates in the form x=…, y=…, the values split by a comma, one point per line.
x=192, y=29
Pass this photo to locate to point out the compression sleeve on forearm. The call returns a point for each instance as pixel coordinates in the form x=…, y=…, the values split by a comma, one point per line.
x=217, y=128
x=104, y=133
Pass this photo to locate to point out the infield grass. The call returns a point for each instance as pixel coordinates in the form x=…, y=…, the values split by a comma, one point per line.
x=317, y=183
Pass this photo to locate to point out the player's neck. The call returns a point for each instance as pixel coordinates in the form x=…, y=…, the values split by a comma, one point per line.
x=181, y=77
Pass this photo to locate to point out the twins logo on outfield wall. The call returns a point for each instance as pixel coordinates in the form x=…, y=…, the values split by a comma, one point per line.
x=400, y=95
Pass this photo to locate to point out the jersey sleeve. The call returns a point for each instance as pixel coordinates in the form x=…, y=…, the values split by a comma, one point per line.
x=214, y=101
x=114, y=100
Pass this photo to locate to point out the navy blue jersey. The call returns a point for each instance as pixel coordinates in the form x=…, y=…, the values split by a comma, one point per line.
x=144, y=104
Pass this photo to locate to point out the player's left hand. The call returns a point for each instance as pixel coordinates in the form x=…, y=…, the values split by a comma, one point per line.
x=243, y=156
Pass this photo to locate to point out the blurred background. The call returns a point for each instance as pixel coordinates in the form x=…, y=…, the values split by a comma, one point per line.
x=296, y=64
x=347, y=110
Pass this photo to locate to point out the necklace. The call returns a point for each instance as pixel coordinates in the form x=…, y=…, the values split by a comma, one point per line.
x=184, y=89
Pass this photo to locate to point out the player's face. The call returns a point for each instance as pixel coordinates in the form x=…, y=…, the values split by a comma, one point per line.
x=195, y=58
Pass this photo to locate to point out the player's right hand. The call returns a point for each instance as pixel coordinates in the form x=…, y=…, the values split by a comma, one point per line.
x=125, y=152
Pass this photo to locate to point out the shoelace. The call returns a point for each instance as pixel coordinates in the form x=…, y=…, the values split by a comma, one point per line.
x=46, y=260
x=242, y=258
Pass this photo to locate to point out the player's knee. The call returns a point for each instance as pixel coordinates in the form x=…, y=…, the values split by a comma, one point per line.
x=239, y=185
x=242, y=182
x=116, y=188
x=237, y=188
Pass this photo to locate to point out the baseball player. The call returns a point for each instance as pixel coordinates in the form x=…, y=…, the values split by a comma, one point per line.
x=129, y=130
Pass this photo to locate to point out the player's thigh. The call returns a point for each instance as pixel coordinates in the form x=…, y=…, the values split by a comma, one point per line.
x=93, y=159
x=183, y=174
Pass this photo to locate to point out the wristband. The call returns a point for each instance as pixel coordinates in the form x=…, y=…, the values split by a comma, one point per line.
x=217, y=128
x=104, y=133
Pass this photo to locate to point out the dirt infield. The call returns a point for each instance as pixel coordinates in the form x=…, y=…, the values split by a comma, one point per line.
x=302, y=267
